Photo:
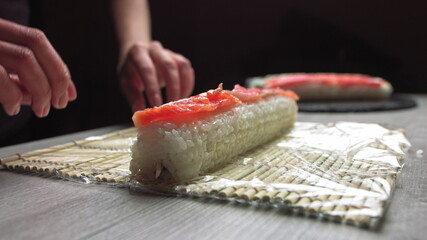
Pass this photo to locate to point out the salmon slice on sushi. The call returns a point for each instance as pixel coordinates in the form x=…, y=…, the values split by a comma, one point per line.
x=329, y=86
x=184, y=139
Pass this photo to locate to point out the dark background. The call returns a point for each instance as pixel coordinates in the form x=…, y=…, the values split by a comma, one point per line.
x=228, y=41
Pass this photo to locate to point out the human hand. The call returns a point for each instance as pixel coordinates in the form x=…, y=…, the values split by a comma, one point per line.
x=147, y=67
x=31, y=71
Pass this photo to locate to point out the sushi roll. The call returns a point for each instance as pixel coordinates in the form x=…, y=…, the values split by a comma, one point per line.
x=329, y=86
x=184, y=139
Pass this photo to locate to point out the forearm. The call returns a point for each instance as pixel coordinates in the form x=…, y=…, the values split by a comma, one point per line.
x=132, y=23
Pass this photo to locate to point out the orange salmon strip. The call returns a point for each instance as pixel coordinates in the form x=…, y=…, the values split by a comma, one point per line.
x=206, y=102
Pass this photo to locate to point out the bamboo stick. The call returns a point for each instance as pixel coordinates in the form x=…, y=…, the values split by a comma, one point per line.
x=276, y=163
x=9, y=159
x=283, y=178
x=292, y=197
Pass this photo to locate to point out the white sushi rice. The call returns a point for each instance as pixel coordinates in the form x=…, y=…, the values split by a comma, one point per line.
x=192, y=149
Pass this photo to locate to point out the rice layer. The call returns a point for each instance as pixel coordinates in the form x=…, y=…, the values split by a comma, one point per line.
x=192, y=149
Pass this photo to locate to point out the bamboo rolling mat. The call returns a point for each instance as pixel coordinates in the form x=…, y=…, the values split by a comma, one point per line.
x=342, y=172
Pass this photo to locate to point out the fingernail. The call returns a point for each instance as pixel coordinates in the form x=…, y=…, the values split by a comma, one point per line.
x=17, y=109
x=12, y=111
x=45, y=111
x=63, y=101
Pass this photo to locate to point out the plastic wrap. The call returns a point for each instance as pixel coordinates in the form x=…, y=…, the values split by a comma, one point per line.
x=341, y=171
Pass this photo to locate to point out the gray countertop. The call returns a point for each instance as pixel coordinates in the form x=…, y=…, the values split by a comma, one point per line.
x=33, y=207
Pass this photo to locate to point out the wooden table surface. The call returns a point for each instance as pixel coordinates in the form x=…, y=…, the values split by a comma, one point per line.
x=33, y=207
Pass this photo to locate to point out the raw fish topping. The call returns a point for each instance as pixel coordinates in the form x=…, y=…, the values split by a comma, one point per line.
x=345, y=80
x=256, y=94
x=206, y=102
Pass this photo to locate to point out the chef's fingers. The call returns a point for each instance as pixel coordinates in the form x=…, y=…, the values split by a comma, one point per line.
x=23, y=61
x=132, y=85
x=26, y=96
x=10, y=94
x=56, y=72
x=132, y=94
x=144, y=66
x=72, y=91
x=26, y=100
x=165, y=62
x=135, y=98
x=186, y=74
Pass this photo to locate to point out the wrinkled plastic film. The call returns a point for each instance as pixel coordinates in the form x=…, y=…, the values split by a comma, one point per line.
x=342, y=171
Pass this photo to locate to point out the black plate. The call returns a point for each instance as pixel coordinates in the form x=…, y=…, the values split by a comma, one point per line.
x=396, y=101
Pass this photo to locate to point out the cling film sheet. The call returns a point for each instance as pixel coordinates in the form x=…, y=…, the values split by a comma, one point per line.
x=342, y=171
